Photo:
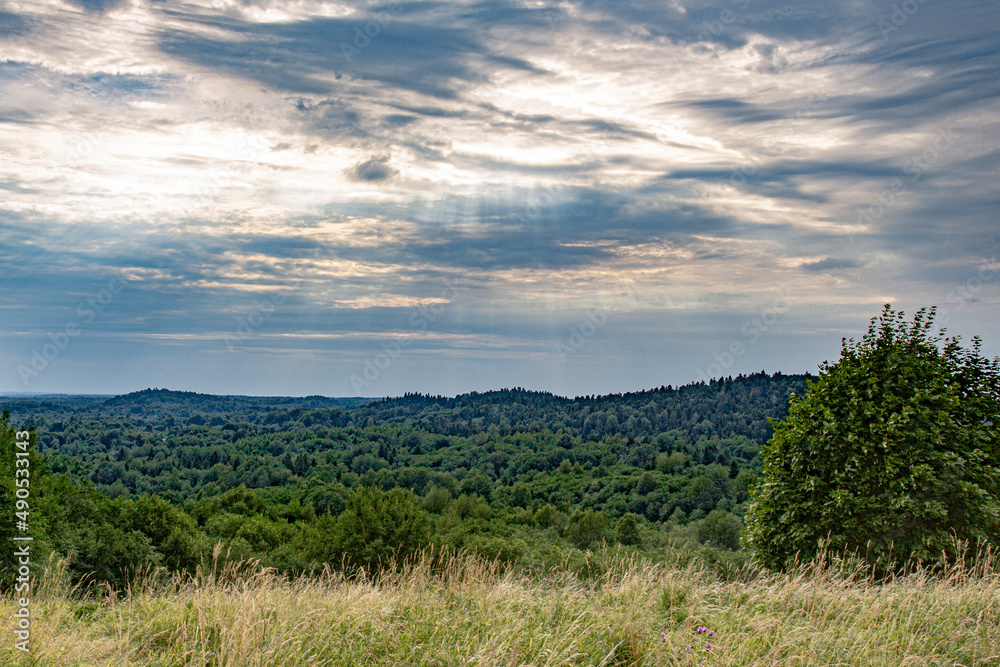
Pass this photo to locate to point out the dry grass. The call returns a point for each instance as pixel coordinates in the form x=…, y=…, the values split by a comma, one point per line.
x=464, y=611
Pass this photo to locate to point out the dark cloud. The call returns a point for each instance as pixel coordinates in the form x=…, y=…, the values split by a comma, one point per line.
x=730, y=25
x=433, y=112
x=374, y=170
x=96, y=6
x=301, y=57
x=12, y=24
x=735, y=110
x=334, y=118
x=11, y=185
x=398, y=120
x=786, y=179
x=832, y=264
x=945, y=94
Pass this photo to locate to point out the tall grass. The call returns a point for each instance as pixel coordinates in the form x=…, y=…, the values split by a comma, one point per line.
x=460, y=610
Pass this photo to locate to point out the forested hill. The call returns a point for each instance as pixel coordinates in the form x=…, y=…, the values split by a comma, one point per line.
x=183, y=445
x=158, y=400
x=728, y=407
x=159, y=407
x=513, y=473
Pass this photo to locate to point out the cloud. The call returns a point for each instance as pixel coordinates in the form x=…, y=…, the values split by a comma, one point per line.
x=13, y=24
x=682, y=160
x=311, y=56
x=831, y=264
x=96, y=6
x=375, y=169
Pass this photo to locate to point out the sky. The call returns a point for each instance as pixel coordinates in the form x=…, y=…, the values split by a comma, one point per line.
x=301, y=197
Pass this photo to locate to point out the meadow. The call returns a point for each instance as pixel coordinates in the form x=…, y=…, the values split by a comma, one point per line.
x=463, y=610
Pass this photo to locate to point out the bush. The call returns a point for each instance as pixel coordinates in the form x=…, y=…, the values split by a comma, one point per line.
x=378, y=527
x=893, y=453
x=720, y=529
x=437, y=500
x=586, y=527
x=627, y=530
x=476, y=483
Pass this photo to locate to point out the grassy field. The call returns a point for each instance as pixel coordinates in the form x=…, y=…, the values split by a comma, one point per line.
x=464, y=611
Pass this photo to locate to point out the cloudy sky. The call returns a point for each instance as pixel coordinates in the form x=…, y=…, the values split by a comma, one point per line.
x=300, y=197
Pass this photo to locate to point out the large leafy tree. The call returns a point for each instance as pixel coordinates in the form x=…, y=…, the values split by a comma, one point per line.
x=892, y=454
x=379, y=526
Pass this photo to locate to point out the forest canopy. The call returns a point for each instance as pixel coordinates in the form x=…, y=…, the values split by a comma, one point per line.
x=158, y=478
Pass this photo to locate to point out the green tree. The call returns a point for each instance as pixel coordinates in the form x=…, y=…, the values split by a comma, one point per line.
x=720, y=529
x=627, y=530
x=378, y=527
x=586, y=527
x=520, y=495
x=437, y=500
x=893, y=452
x=173, y=533
x=646, y=484
x=476, y=483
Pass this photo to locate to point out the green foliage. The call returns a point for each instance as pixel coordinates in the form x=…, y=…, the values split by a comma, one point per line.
x=330, y=498
x=893, y=453
x=520, y=495
x=627, y=530
x=548, y=516
x=239, y=501
x=720, y=529
x=379, y=526
x=476, y=483
x=587, y=527
x=172, y=531
x=437, y=500
x=157, y=478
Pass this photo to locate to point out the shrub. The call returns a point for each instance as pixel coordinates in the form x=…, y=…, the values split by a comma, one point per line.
x=378, y=527
x=720, y=529
x=627, y=530
x=586, y=527
x=893, y=453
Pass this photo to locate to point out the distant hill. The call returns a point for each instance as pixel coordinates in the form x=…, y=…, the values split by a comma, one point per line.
x=725, y=407
x=215, y=404
x=156, y=404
